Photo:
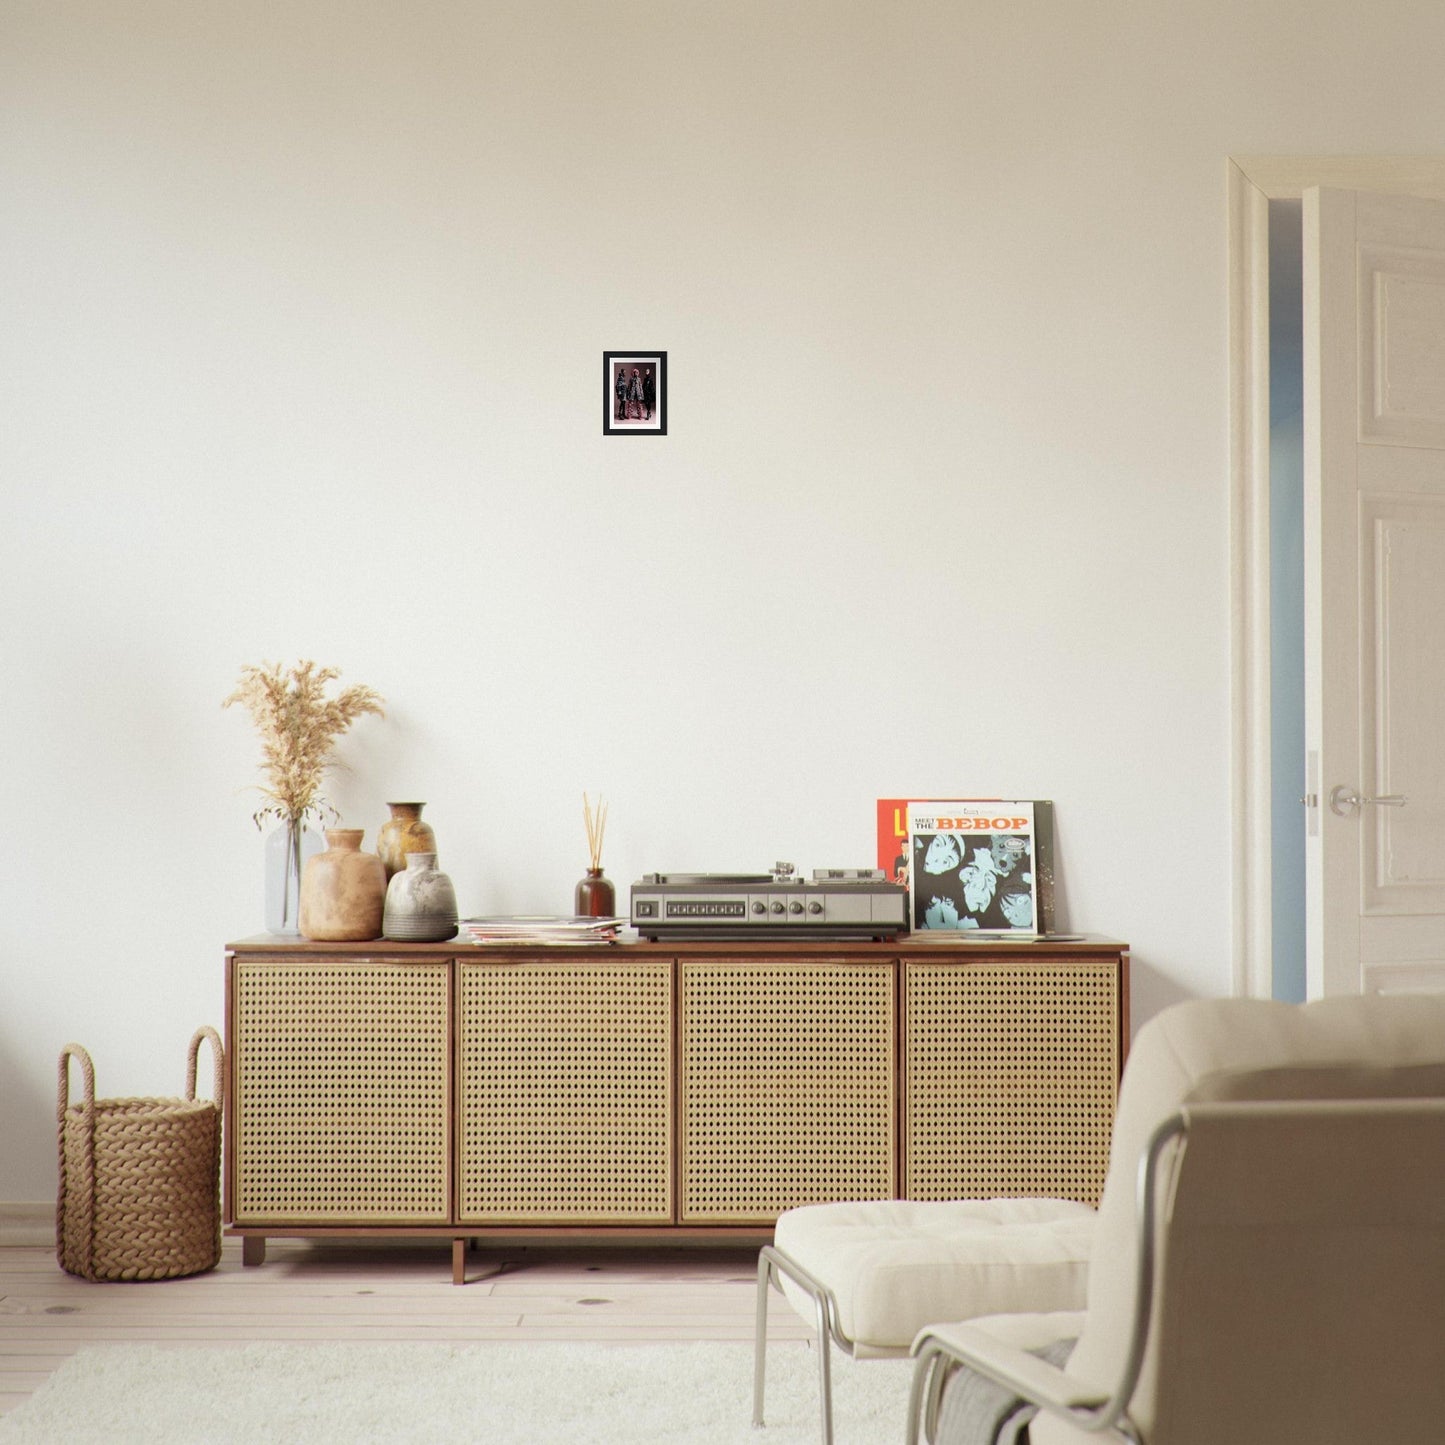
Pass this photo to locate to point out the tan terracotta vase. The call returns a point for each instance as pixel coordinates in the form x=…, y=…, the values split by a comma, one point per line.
x=403, y=833
x=343, y=890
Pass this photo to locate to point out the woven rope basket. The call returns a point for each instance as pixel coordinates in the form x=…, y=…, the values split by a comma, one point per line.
x=139, y=1178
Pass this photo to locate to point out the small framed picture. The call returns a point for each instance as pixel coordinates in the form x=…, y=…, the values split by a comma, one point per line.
x=634, y=393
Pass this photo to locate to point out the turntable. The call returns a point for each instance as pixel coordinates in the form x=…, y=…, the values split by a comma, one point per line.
x=834, y=903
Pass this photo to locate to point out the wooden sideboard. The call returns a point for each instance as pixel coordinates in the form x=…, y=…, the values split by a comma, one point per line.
x=654, y=1091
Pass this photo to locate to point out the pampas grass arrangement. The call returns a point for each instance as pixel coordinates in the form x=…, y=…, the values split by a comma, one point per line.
x=298, y=725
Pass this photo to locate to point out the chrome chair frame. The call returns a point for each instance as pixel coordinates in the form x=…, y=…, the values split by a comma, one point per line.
x=772, y=1263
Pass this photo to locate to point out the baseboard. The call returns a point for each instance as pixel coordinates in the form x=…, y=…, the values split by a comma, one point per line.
x=27, y=1222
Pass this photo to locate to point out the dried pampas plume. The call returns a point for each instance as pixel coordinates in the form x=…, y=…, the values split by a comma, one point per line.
x=298, y=725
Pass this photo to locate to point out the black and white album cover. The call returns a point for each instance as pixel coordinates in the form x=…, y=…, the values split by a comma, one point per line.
x=973, y=866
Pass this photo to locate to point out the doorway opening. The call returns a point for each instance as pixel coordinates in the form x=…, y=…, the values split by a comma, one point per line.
x=1286, y=600
x=1265, y=801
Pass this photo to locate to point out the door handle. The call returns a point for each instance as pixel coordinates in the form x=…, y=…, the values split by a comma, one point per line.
x=1344, y=800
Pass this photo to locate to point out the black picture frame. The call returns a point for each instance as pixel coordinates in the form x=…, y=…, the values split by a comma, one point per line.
x=626, y=414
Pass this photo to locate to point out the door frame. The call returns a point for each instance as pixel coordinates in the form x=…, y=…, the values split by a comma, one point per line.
x=1253, y=182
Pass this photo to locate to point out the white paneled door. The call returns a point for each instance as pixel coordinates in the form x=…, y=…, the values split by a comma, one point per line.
x=1375, y=590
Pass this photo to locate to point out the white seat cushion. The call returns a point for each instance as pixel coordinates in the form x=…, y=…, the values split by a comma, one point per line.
x=897, y=1265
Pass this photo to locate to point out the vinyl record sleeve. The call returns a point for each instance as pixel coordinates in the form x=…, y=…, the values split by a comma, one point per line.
x=897, y=859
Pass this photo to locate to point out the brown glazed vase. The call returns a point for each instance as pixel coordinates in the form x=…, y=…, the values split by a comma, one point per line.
x=403, y=833
x=343, y=890
x=594, y=896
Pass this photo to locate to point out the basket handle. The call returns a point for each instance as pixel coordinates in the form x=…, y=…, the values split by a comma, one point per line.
x=87, y=1071
x=218, y=1058
x=75, y=1238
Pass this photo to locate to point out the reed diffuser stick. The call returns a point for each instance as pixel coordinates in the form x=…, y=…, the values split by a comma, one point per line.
x=596, y=821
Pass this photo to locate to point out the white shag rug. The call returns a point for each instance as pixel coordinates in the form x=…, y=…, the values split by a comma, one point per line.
x=479, y=1394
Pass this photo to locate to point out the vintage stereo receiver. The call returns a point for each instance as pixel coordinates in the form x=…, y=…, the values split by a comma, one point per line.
x=834, y=903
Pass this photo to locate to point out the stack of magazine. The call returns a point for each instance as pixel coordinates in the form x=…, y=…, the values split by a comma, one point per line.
x=541, y=928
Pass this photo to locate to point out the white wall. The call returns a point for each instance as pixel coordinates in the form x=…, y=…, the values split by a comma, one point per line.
x=303, y=318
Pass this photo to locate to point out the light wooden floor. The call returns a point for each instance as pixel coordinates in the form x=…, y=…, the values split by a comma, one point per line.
x=380, y=1292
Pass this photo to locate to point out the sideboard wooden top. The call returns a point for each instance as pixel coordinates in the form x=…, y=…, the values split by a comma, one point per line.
x=912, y=945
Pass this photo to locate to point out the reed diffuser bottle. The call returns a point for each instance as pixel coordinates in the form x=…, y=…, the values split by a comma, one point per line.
x=595, y=896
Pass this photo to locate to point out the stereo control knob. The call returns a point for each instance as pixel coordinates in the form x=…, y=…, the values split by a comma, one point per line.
x=815, y=907
x=759, y=906
x=777, y=907
x=795, y=907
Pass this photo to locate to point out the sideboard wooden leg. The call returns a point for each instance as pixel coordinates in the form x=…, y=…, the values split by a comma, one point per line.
x=253, y=1249
x=459, y=1261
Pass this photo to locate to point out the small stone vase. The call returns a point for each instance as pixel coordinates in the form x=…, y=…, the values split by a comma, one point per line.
x=421, y=904
x=403, y=833
x=343, y=890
